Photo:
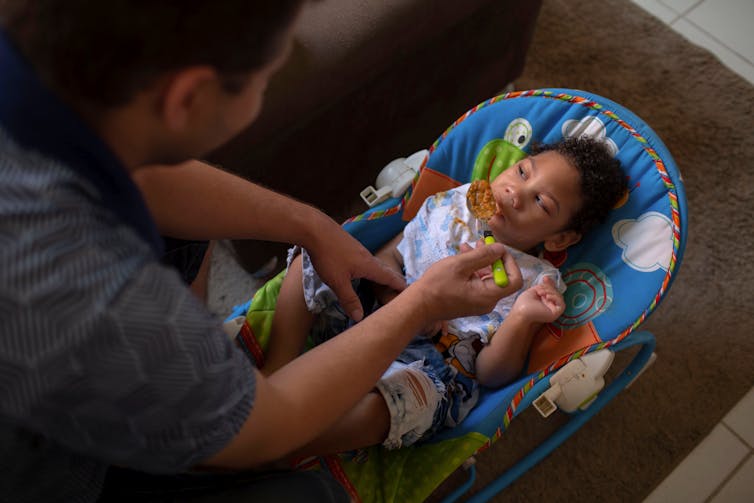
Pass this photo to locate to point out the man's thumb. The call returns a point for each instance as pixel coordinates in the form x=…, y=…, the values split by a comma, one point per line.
x=482, y=256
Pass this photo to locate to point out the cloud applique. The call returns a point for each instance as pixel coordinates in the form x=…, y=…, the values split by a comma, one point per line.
x=592, y=127
x=647, y=242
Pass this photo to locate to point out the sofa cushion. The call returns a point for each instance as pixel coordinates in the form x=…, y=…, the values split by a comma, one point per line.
x=368, y=82
x=341, y=44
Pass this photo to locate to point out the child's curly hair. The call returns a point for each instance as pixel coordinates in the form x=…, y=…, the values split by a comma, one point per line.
x=603, y=181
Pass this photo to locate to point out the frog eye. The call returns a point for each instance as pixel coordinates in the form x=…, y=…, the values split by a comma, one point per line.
x=518, y=132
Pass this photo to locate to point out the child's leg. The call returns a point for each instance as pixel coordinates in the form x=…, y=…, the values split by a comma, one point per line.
x=291, y=322
x=413, y=399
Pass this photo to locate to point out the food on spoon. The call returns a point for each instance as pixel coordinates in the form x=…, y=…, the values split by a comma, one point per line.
x=480, y=201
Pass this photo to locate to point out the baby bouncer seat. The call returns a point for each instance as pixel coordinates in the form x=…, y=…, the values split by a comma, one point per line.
x=616, y=277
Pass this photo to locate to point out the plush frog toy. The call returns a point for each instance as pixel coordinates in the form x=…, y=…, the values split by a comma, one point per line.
x=500, y=154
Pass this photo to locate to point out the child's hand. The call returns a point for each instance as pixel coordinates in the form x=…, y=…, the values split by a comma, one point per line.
x=541, y=303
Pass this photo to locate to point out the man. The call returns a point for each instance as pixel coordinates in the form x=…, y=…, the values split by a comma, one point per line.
x=107, y=358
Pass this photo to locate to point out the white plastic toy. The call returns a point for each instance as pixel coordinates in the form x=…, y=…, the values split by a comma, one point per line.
x=394, y=179
x=575, y=386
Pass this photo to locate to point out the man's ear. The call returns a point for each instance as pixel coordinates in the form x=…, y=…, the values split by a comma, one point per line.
x=183, y=92
x=561, y=240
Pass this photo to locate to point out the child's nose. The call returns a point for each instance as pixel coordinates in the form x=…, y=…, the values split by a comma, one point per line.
x=513, y=194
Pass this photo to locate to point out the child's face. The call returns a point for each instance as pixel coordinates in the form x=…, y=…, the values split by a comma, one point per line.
x=536, y=199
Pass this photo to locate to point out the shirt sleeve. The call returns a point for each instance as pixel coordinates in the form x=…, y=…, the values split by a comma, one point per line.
x=109, y=354
x=546, y=269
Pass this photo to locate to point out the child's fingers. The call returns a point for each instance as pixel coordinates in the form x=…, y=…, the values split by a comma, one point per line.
x=547, y=285
x=554, y=302
x=548, y=281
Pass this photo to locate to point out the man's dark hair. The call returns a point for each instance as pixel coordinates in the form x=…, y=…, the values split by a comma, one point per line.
x=102, y=52
x=603, y=181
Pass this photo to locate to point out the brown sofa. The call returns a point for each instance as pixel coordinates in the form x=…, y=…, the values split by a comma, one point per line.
x=369, y=81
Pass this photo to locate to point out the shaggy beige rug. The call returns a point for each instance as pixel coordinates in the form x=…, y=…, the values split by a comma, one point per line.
x=705, y=346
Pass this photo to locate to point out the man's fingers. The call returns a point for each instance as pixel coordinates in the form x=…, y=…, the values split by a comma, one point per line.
x=378, y=273
x=512, y=270
x=349, y=301
x=384, y=275
x=481, y=256
x=466, y=247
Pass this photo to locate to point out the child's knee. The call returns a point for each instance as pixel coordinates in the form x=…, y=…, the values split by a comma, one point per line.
x=413, y=399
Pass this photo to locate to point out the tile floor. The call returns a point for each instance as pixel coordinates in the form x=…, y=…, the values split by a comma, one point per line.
x=721, y=468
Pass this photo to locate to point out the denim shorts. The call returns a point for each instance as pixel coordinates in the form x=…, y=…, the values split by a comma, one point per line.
x=458, y=387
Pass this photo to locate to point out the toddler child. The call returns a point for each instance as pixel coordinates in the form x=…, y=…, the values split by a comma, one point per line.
x=547, y=201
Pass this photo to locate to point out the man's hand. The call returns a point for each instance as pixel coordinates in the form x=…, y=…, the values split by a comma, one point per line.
x=541, y=303
x=486, y=271
x=453, y=288
x=338, y=258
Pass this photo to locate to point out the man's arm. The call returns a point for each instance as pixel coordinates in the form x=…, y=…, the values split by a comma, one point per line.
x=302, y=399
x=194, y=200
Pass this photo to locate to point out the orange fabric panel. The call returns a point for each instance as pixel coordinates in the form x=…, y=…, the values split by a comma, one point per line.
x=551, y=344
x=430, y=182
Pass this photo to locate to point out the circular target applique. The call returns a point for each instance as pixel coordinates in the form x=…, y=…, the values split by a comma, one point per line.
x=589, y=293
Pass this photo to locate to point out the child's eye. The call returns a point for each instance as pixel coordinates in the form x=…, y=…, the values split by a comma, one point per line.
x=521, y=172
x=541, y=203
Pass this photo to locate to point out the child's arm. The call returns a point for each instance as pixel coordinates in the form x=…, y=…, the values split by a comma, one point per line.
x=390, y=256
x=503, y=358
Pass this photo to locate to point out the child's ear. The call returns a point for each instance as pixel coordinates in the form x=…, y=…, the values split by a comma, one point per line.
x=183, y=93
x=561, y=240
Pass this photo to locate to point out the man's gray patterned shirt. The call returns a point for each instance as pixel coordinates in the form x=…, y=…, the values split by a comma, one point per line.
x=106, y=358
